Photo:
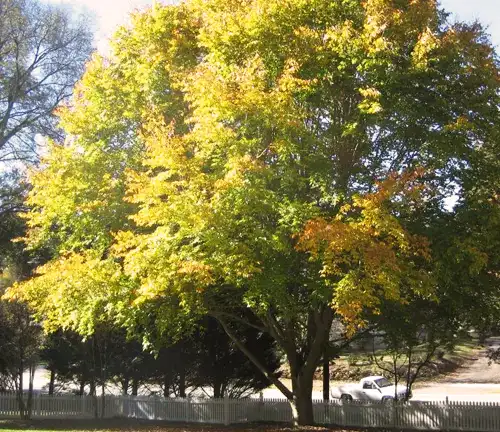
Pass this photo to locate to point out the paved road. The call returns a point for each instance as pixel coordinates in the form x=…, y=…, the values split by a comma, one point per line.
x=430, y=392
x=480, y=392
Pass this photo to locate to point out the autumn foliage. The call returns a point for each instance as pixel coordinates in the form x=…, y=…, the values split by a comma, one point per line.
x=366, y=253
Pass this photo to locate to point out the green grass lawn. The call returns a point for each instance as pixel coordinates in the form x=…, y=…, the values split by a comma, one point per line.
x=131, y=425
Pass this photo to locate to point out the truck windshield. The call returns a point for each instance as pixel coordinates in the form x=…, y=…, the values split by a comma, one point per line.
x=382, y=382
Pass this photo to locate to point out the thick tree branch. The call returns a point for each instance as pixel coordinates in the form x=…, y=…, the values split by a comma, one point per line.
x=286, y=392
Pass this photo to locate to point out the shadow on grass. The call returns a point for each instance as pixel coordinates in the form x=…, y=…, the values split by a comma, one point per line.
x=101, y=425
x=133, y=425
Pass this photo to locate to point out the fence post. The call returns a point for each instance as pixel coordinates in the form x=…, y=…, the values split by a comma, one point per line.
x=226, y=411
x=36, y=404
x=447, y=423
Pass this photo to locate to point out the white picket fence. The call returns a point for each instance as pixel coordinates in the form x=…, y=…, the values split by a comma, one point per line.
x=443, y=416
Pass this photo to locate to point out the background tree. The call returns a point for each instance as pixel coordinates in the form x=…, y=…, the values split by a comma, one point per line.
x=58, y=357
x=243, y=158
x=223, y=368
x=21, y=340
x=20, y=336
x=175, y=369
x=42, y=54
x=411, y=335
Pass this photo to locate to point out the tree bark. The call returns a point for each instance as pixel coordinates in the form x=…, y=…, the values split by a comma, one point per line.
x=302, y=407
x=326, y=375
x=81, y=392
x=20, y=390
x=125, y=386
x=29, y=407
x=52, y=381
x=92, y=392
x=182, y=382
x=217, y=390
x=103, y=399
x=135, y=387
x=166, y=385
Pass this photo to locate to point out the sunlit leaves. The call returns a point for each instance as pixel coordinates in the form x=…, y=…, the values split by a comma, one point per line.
x=367, y=255
x=74, y=292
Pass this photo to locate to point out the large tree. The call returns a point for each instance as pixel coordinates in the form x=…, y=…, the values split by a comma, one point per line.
x=272, y=156
x=42, y=53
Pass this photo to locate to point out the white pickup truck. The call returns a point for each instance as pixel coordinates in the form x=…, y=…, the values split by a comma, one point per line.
x=372, y=388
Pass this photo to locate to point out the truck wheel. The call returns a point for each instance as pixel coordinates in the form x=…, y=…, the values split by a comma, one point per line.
x=346, y=397
x=387, y=400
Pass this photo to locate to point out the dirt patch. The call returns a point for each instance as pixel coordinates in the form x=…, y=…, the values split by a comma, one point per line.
x=477, y=368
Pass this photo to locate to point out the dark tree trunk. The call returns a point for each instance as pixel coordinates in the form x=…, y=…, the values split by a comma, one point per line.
x=20, y=390
x=218, y=390
x=182, y=382
x=52, y=381
x=125, y=386
x=302, y=406
x=135, y=386
x=326, y=376
x=29, y=408
x=92, y=392
x=81, y=392
x=166, y=385
x=103, y=399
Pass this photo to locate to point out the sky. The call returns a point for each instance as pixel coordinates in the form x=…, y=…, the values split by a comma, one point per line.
x=486, y=11
x=110, y=13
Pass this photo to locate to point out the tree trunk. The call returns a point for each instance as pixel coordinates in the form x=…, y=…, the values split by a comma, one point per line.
x=20, y=389
x=52, y=381
x=92, y=392
x=217, y=390
x=135, y=386
x=326, y=376
x=103, y=399
x=302, y=407
x=182, y=382
x=302, y=410
x=81, y=392
x=125, y=386
x=166, y=385
x=29, y=408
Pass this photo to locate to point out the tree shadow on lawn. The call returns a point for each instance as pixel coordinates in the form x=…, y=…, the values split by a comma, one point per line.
x=133, y=425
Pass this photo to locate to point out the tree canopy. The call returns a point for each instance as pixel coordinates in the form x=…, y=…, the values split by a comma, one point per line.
x=263, y=162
